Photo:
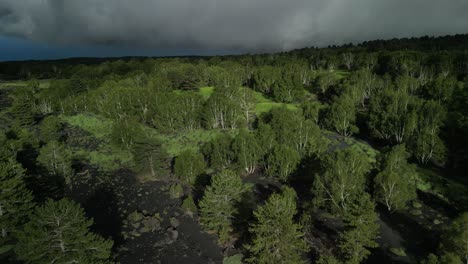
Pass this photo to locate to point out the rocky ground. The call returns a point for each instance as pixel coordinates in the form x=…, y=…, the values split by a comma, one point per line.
x=146, y=220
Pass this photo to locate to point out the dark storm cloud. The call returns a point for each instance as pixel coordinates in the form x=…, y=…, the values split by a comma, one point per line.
x=228, y=24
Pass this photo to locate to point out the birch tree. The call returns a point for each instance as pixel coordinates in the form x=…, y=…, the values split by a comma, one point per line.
x=394, y=184
x=343, y=178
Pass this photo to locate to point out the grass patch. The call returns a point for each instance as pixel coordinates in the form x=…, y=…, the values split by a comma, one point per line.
x=99, y=127
x=193, y=140
x=264, y=105
x=206, y=92
x=106, y=159
x=43, y=84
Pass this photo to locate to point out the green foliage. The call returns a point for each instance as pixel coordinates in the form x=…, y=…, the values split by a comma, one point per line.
x=176, y=191
x=247, y=151
x=234, y=259
x=59, y=232
x=393, y=115
x=276, y=238
x=218, y=206
x=426, y=144
x=361, y=230
x=189, y=205
x=292, y=129
x=281, y=162
x=56, y=158
x=219, y=152
x=125, y=131
x=342, y=180
x=16, y=201
x=342, y=115
x=51, y=127
x=394, y=185
x=222, y=110
x=188, y=166
x=23, y=108
x=311, y=110
x=149, y=156
x=455, y=240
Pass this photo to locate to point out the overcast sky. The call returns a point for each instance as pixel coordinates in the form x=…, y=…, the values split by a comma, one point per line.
x=41, y=29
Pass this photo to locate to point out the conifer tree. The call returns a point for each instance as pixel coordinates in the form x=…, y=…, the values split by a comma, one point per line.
x=218, y=205
x=276, y=237
x=58, y=232
x=16, y=201
x=361, y=230
x=56, y=159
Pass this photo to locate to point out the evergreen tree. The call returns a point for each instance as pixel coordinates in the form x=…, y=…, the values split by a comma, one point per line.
x=218, y=206
x=361, y=230
x=23, y=108
x=16, y=201
x=455, y=240
x=56, y=159
x=58, y=232
x=188, y=166
x=51, y=127
x=276, y=238
x=394, y=185
x=149, y=156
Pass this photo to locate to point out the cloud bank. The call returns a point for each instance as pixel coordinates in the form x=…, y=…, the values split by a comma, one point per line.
x=250, y=25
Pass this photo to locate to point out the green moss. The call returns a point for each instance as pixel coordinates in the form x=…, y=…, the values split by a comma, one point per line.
x=398, y=251
x=176, y=191
x=416, y=204
x=234, y=259
x=416, y=212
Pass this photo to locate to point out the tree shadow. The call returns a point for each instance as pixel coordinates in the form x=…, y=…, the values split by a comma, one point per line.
x=102, y=206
